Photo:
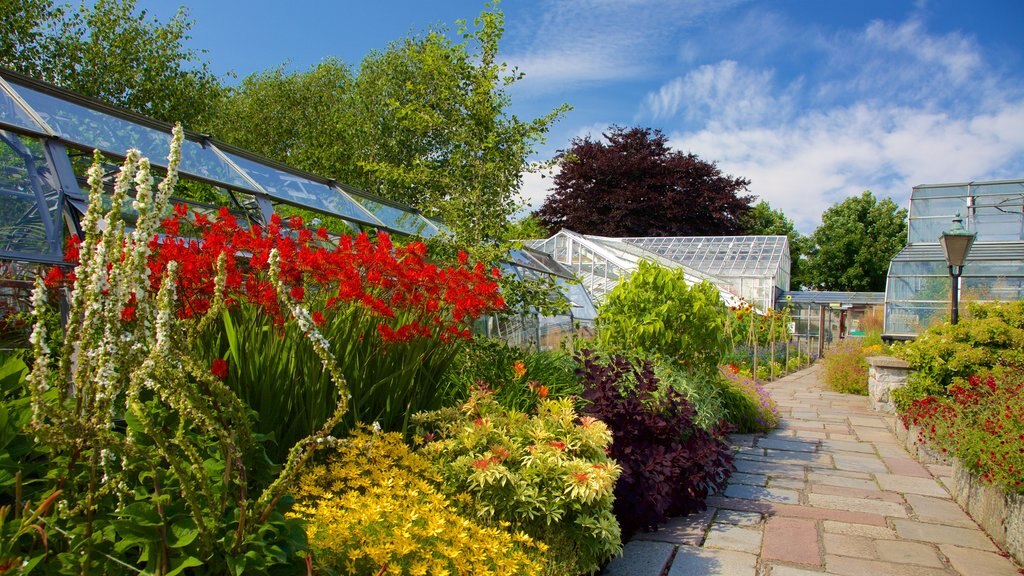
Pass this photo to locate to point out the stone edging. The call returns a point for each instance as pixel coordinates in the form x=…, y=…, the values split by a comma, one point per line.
x=1000, y=514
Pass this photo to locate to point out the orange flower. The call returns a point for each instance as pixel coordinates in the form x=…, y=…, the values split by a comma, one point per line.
x=542, y=392
x=519, y=369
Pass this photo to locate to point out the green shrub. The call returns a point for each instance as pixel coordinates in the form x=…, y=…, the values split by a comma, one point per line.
x=545, y=474
x=374, y=506
x=517, y=377
x=656, y=313
x=846, y=367
x=703, y=391
x=748, y=405
x=990, y=334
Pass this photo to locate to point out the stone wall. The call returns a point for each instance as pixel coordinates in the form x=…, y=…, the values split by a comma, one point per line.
x=885, y=374
x=1000, y=514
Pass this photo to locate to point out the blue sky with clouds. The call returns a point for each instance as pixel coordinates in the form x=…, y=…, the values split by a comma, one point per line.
x=812, y=100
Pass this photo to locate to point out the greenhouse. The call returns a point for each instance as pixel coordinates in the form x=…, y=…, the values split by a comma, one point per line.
x=918, y=286
x=752, y=268
x=48, y=135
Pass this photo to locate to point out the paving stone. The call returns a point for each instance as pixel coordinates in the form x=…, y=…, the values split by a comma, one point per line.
x=841, y=436
x=939, y=511
x=833, y=480
x=748, y=451
x=795, y=445
x=749, y=479
x=813, y=435
x=867, y=421
x=857, y=505
x=844, y=473
x=791, y=571
x=911, y=485
x=788, y=483
x=742, y=439
x=906, y=467
x=903, y=552
x=859, y=463
x=886, y=450
x=874, y=532
x=793, y=540
x=640, y=558
x=796, y=511
x=848, y=566
x=857, y=493
x=845, y=446
x=688, y=529
x=790, y=457
x=739, y=518
x=732, y=537
x=755, y=467
x=847, y=545
x=757, y=493
x=691, y=561
x=873, y=435
x=942, y=534
x=939, y=470
x=967, y=561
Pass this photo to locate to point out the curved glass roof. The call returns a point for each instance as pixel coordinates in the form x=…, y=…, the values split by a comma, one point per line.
x=28, y=105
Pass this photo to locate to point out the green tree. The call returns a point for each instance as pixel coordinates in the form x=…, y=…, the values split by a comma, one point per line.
x=855, y=242
x=761, y=219
x=112, y=51
x=302, y=119
x=424, y=122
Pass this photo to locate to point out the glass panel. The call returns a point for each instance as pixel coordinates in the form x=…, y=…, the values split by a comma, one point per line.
x=24, y=178
x=998, y=223
x=12, y=113
x=298, y=190
x=980, y=289
x=1002, y=188
x=938, y=192
x=395, y=218
x=945, y=207
x=94, y=129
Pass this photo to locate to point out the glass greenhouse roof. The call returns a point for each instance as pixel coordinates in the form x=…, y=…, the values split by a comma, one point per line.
x=27, y=105
x=600, y=262
x=721, y=255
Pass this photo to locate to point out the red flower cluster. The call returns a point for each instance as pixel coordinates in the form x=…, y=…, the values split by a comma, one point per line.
x=412, y=296
x=982, y=423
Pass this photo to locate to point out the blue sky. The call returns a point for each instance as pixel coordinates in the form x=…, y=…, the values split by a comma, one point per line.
x=812, y=100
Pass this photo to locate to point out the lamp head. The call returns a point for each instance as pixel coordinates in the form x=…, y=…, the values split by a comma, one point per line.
x=956, y=242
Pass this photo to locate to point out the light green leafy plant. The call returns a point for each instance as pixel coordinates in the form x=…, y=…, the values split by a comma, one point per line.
x=656, y=312
x=547, y=475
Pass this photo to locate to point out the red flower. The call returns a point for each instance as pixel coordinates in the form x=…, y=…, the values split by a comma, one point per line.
x=128, y=314
x=220, y=368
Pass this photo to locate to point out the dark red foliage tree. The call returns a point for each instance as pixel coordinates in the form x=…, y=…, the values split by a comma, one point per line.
x=632, y=184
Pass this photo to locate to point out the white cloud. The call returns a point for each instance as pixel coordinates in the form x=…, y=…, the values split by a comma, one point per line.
x=891, y=107
x=722, y=93
x=574, y=42
x=535, y=188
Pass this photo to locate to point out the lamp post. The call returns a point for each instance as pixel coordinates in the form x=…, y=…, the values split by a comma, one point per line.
x=956, y=243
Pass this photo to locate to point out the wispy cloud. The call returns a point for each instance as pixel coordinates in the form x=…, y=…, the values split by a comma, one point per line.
x=892, y=106
x=587, y=42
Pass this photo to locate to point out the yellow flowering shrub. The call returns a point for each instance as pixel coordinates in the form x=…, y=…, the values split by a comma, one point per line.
x=546, y=474
x=375, y=505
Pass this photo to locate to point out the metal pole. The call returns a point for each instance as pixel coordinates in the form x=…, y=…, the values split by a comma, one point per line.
x=954, y=293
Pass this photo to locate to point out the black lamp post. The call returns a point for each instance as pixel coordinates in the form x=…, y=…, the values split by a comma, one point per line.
x=956, y=243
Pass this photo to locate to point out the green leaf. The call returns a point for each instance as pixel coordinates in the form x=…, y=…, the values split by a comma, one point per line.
x=182, y=533
x=180, y=564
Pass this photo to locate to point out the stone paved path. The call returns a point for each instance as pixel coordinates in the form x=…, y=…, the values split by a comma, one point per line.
x=831, y=491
